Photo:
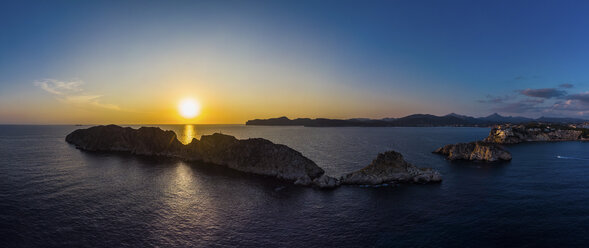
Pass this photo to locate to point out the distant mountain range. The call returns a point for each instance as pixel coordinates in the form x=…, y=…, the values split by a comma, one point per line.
x=416, y=120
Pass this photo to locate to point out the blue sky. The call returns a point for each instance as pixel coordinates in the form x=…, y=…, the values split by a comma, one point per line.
x=256, y=59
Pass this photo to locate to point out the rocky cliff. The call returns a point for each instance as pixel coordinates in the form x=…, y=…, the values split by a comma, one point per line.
x=477, y=150
x=513, y=134
x=390, y=167
x=257, y=156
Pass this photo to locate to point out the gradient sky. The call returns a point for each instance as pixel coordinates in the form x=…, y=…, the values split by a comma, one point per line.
x=132, y=61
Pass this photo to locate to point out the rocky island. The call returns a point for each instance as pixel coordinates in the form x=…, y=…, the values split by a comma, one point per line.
x=477, y=150
x=390, y=167
x=256, y=156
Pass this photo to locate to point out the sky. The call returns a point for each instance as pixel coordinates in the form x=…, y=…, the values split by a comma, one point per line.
x=132, y=62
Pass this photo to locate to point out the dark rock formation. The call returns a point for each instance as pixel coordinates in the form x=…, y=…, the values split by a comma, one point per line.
x=513, y=134
x=258, y=156
x=142, y=141
x=390, y=167
x=477, y=150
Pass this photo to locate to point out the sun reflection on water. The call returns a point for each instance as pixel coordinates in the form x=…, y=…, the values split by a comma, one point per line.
x=188, y=134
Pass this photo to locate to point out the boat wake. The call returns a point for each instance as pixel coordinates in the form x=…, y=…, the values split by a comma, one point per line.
x=564, y=157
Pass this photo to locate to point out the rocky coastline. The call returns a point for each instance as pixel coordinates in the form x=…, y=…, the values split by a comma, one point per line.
x=513, y=134
x=257, y=156
x=491, y=149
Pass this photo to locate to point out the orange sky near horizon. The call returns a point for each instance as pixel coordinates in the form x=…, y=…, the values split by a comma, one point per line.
x=161, y=107
x=112, y=96
x=89, y=62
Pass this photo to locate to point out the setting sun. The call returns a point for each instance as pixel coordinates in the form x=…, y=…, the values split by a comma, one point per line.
x=189, y=108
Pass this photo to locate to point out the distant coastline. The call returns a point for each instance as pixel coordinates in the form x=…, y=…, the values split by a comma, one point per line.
x=416, y=120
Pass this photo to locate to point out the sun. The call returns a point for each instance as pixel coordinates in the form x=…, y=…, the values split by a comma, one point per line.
x=188, y=108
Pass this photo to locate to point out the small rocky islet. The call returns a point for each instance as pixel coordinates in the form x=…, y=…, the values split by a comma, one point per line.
x=257, y=156
x=477, y=150
x=391, y=167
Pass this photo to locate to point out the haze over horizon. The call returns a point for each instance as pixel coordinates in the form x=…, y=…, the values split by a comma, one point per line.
x=133, y=62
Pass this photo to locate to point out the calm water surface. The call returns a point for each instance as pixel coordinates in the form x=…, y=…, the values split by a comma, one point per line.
x=52, y=194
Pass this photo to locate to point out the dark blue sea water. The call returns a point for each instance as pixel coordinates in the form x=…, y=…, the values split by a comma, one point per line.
x=52, y=194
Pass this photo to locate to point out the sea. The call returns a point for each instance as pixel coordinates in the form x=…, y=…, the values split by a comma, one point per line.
x=54, y=195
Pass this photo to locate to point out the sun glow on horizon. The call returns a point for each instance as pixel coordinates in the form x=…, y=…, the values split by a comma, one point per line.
x=189, y=108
